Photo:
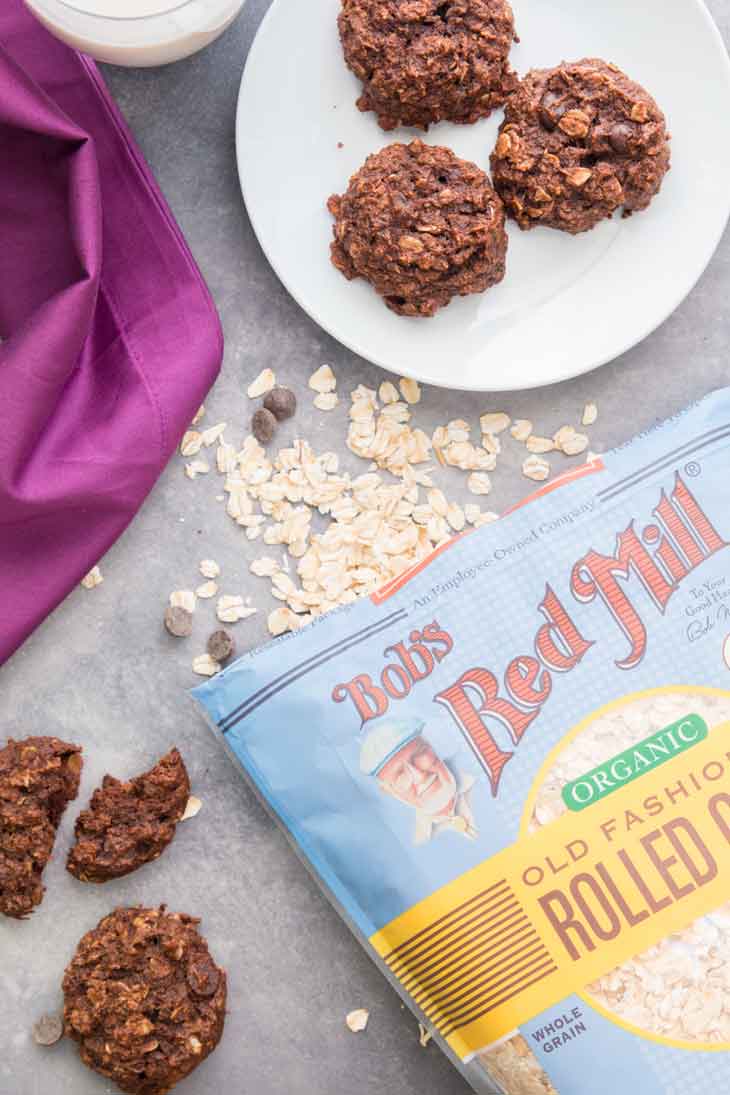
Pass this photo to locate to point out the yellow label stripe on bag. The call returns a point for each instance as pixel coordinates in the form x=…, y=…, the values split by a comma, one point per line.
x=553, y=912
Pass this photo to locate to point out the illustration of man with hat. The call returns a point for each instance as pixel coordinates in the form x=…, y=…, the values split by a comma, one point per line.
x=395, y=752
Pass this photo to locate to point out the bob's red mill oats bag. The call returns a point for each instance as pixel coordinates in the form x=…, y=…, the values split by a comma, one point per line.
x=510, y=771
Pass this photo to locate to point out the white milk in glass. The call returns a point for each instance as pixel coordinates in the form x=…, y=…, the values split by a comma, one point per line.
x=137, y=33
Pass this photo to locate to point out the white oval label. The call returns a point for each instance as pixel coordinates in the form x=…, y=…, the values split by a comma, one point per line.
x=124, y=9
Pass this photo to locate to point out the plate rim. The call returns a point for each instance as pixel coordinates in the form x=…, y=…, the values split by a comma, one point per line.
x=559, y=376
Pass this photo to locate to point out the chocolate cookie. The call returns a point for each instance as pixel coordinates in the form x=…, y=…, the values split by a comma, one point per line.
x=422, y=226
x=578, y=142
x=144, y=999
x=38, y=778
x=424, y=61
x=129, y=823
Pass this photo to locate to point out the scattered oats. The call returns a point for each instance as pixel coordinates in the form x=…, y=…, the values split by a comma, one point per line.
x=48, y=1030
x=437, y=501
x=211, y=435
x=231, y=608
x=437, y=530
x=539, y=445
x=323, y=380
x=570, y=442
x=209, y=568
x=424, y=1036
x=281, y=620
x=191, y=443
x=410, y=390
x=225, y=458
x=458, y=430
x=199, y=414
x=183, y=598
x=455, y=516
x=495, y=422
x=387, y=392
x=521, y=429
x=440, y=437
x=206, y=591
x=590, y=414
x=263, y=383
x=326, y=401
x=460, y=454
x=196, y=468
x=192, y=809
x=479, y=483
x=576, y=445
x=591, y=456
x=472, y=512
x=535, y=467
x=491, y=443
x=397, y=411
x=486, y=518
x=357, y=1020
x=204, y=666
x=265, y=567
x=93, y=579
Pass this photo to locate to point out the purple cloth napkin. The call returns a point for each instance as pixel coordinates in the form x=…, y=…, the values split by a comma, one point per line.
x=110, y=339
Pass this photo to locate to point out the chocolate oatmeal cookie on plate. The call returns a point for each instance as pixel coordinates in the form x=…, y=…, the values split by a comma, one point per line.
x=577, y=143
x=422, y=226
x=426, y=61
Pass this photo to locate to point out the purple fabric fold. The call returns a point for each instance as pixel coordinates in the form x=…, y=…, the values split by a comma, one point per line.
x=110, y=339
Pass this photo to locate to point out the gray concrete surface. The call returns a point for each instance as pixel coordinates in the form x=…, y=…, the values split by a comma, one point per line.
x=102, y=672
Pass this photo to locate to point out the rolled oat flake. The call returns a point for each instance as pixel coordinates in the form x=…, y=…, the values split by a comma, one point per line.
x=509, y=768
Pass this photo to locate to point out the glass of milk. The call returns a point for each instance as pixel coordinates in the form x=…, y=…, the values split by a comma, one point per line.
x=137, y=33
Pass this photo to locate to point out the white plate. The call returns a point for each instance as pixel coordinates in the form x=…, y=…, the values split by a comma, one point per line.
x=568, y=304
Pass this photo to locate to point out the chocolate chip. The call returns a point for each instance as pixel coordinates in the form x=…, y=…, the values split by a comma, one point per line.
x=48, y=1030
x=263, y=426
x=281, y=402
x=178, y=621
x=549, y=110
x=221, y=646
x=620, y=139
x=203, y=976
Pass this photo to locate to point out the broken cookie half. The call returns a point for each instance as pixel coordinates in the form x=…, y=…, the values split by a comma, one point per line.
x=38, y=779
x=129, y=823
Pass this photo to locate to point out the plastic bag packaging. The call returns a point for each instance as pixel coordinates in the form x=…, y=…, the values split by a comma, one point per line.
x=510, y=772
